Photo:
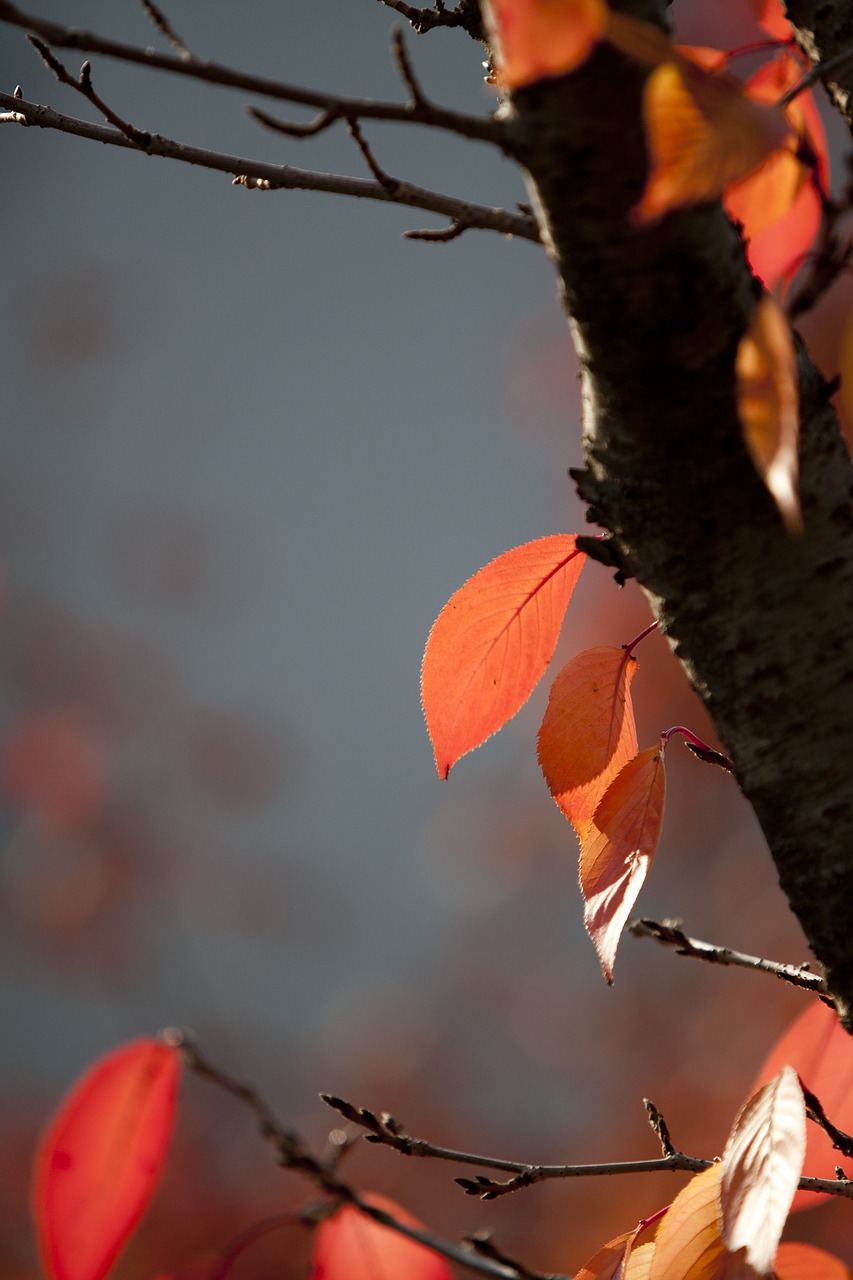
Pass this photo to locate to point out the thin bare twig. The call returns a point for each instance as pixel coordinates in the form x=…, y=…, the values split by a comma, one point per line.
x=386, y=1131
x=83, y=85
x=670, y=934
x=422, y=20
x=478, y=128
x=293, y=1155
x=483, y=1244
x=164, y=26
x=842, y=1141
x=443, y=236
x=384, y=179
x=264, y=176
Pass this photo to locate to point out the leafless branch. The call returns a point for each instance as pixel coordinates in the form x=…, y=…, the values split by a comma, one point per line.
x=422, y=112
x=164, y=26
x=465, y=15
x=384, y=179
x=386, y=1131
x=264, y=176
x=83, y=84
x=293, y=1155
x=481, y=1242
x=670, y=934
x=842, y=1141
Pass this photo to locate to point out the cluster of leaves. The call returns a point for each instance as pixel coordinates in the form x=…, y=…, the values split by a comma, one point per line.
x=102, y=1155
x=759, y=146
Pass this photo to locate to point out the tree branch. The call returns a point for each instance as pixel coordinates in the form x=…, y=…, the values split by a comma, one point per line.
x=420, y=111
x=261, y=175
x=762, y=623
x=670, y=934
x=422, y=20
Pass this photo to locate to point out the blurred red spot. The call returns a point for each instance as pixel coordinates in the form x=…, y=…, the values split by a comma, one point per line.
x=51, y=767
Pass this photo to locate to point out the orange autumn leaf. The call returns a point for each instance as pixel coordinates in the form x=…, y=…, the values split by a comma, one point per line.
x=689, y=1244
x=761, y=1168
x=821, y=1052
x=770, y=15
x=534, y=39
x=781, y=196
x=351, y=1246
x=768, y=405
x=607, y=1263
x=588, y=733
x=491, y=644
x=619, y=847
x=796, y=1261
x=100, y=1159
x=703, y=132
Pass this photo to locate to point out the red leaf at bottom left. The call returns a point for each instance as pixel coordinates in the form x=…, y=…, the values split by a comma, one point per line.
x=100, y=1159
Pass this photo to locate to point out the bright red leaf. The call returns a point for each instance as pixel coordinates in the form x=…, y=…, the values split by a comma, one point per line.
x=704, y=132
x=351, y=1246
x=618, y=850
x=768, y=405
x=821, y=1052
x=100, y=1159
x=761, y=1169
x=588, y=733
x=770, y=15
x=492, y=642
x=806, y=1262
x=779, y=204
x=533, y=39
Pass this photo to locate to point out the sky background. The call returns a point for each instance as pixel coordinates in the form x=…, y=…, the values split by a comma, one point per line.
x=251, y=444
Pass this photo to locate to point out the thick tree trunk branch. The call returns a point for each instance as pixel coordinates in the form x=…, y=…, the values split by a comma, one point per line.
x=762, y=622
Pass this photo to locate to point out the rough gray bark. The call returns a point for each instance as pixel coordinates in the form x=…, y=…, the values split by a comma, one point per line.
x=762, y=622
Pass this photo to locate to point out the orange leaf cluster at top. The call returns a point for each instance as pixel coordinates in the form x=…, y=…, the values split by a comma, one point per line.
x=534, y=39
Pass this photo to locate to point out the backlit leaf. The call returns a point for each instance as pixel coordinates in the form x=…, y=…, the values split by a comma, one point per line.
x=821, y=1052
x=627, y=1257
x=534, y=39
x=771, y=16
x=768, y=405
x=607, y=1262
x=689, y=1244
x=806, y=1262
x=703, y=133
x=588, y=733
x=492, y=642
x=779, y=205
x=351, y=1246
x=761, y=1169
x=618, y=850
x=100, y=1159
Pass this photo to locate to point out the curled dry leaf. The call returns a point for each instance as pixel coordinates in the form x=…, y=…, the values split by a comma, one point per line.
x=618, y=850
x=761, y=1168
x=588, y=733
x=821, y=1052
x=704, y=132
x=768, y=405
x=535, y=39
x=351, y=1246
x=100, y=1159
x=491, y=644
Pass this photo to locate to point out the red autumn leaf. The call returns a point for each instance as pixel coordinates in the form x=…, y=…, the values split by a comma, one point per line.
x=618, y=850
x=779, y=204
x=806, y=1262
x=100, y=1159
x=534, y=39
x=821, y=1052
x=492, y=642
x=689, y=1244
x=761, y=1168
x=588, y=733
x=768, y=405
x=771, y=16
x=351, y=1246
x=704, y=132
